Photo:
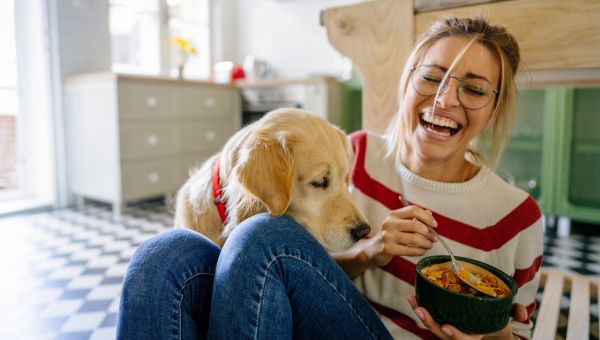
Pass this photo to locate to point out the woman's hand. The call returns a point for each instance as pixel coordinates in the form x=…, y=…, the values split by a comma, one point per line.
x=404, y=232
x=451, y=332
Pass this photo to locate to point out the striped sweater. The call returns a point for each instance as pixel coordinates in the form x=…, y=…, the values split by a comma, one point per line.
x=483, y=218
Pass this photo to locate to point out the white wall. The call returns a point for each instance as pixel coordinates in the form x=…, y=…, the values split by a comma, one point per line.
x=285, y=33
x=83, y=35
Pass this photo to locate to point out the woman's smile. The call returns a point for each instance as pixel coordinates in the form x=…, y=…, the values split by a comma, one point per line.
x=439, y=125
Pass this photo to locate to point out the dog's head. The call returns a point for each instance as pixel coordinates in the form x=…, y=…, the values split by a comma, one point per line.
x=298, y=164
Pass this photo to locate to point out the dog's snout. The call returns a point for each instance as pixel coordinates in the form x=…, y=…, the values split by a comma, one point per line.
x=359, y=231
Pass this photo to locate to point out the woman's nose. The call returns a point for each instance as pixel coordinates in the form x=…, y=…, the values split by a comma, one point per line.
x=448, y=96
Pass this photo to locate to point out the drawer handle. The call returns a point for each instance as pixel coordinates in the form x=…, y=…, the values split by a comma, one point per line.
x=152, y=140
x=210, y=136
x=532, y=183
x=153, y=177
x=151, y=101
x=210, y=102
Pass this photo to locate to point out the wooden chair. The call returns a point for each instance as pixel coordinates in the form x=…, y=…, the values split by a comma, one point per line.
x=557, y=282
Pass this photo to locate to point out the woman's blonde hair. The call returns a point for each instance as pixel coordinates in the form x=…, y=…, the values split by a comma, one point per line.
x=503, y=45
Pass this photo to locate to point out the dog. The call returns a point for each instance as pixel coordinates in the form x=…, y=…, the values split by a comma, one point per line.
x=289, y=162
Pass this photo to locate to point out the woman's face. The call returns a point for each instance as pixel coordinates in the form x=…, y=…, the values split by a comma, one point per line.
x=431, y=138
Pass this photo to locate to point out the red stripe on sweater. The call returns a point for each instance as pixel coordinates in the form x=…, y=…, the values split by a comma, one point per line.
x=486, y=239
x=402, y=269
x=522, y=276
x=361, y=178
x=403, y=321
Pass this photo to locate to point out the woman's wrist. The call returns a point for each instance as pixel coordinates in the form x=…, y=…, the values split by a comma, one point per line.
x=505, y=334
x=354, y=261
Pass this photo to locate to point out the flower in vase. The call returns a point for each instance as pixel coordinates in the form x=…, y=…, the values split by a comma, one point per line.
x=186, y=50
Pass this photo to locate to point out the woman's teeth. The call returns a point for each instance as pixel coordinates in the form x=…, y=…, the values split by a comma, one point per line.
x=439, y=121
x=440, y=126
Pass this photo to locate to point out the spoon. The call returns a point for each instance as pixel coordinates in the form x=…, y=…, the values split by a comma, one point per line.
x=462, y=274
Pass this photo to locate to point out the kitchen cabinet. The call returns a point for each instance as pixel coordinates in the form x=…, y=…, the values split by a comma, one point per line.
x=351, y=107
x=131, y=138
x=555, y=151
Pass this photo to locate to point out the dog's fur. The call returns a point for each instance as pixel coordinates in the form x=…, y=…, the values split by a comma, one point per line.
x=289, y=162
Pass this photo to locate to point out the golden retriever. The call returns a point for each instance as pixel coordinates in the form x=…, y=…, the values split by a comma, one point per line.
x=289, y=162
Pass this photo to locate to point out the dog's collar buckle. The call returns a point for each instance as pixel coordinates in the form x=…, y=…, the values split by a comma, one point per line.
x=217, y=192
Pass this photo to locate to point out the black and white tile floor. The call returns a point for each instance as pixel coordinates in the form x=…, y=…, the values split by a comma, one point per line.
x=61, y=271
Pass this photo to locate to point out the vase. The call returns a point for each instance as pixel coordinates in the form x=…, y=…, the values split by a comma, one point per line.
x=180, y=70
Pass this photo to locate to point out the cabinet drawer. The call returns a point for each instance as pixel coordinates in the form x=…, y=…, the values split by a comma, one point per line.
x=207, y=136
x=148, y=140
x=148, y=179
x=584, y=182
x=202, y=102
x=586, y=115
x=139, y=100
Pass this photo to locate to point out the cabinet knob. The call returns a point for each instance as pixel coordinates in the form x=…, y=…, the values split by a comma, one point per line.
x=210, y=136
x=210, y=102
x=532, y=183
x=151, y=101
x=153, y=177
x=152, y=140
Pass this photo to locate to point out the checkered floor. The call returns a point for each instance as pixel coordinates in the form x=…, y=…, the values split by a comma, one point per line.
x=62, y=270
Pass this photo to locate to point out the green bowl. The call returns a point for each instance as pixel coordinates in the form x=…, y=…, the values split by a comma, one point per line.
x=470, y=314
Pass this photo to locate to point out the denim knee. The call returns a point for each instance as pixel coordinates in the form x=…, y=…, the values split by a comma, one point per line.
x=174, y=251
x=164, y=273
x=264, y=231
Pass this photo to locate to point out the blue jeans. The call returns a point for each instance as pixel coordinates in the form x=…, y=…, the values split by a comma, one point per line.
x=273, y=280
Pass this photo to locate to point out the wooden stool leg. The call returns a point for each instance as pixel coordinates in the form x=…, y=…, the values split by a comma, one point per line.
x=547, y=320
x=579, y=309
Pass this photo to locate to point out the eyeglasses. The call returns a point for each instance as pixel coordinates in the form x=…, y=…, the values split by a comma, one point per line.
x=473, y=93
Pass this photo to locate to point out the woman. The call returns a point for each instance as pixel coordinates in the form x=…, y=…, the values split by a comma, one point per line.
x=458, y=85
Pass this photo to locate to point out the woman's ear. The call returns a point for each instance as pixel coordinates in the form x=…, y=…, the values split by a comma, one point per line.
x=266, y=170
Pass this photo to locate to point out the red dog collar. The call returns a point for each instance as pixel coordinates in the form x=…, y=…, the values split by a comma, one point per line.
x=217, y=192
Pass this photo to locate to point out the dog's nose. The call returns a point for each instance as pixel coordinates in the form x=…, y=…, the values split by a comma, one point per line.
x=359, y=231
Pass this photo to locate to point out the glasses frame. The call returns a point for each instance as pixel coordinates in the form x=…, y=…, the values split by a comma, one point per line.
x=444, y=85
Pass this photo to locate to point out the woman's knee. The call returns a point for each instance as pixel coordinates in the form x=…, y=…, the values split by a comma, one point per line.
x=169, y=272
x=264, y=230
x=176, y=251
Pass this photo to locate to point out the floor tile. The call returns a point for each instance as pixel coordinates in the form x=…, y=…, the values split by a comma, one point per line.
x=61, y=308
x=83, y=322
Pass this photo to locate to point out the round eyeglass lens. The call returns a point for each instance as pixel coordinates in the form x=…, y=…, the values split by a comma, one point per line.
x=473, y=93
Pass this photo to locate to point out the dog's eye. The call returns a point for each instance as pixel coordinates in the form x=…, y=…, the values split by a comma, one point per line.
x=322, y=183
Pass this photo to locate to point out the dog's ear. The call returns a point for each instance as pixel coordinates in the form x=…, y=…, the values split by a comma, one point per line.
x=266, y=170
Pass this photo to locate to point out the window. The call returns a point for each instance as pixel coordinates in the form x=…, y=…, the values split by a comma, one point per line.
x=191, y=20
x=142, y=32
x=9, y=169
x=135, y=36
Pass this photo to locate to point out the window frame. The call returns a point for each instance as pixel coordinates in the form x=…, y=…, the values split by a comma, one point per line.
x=166, y=62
